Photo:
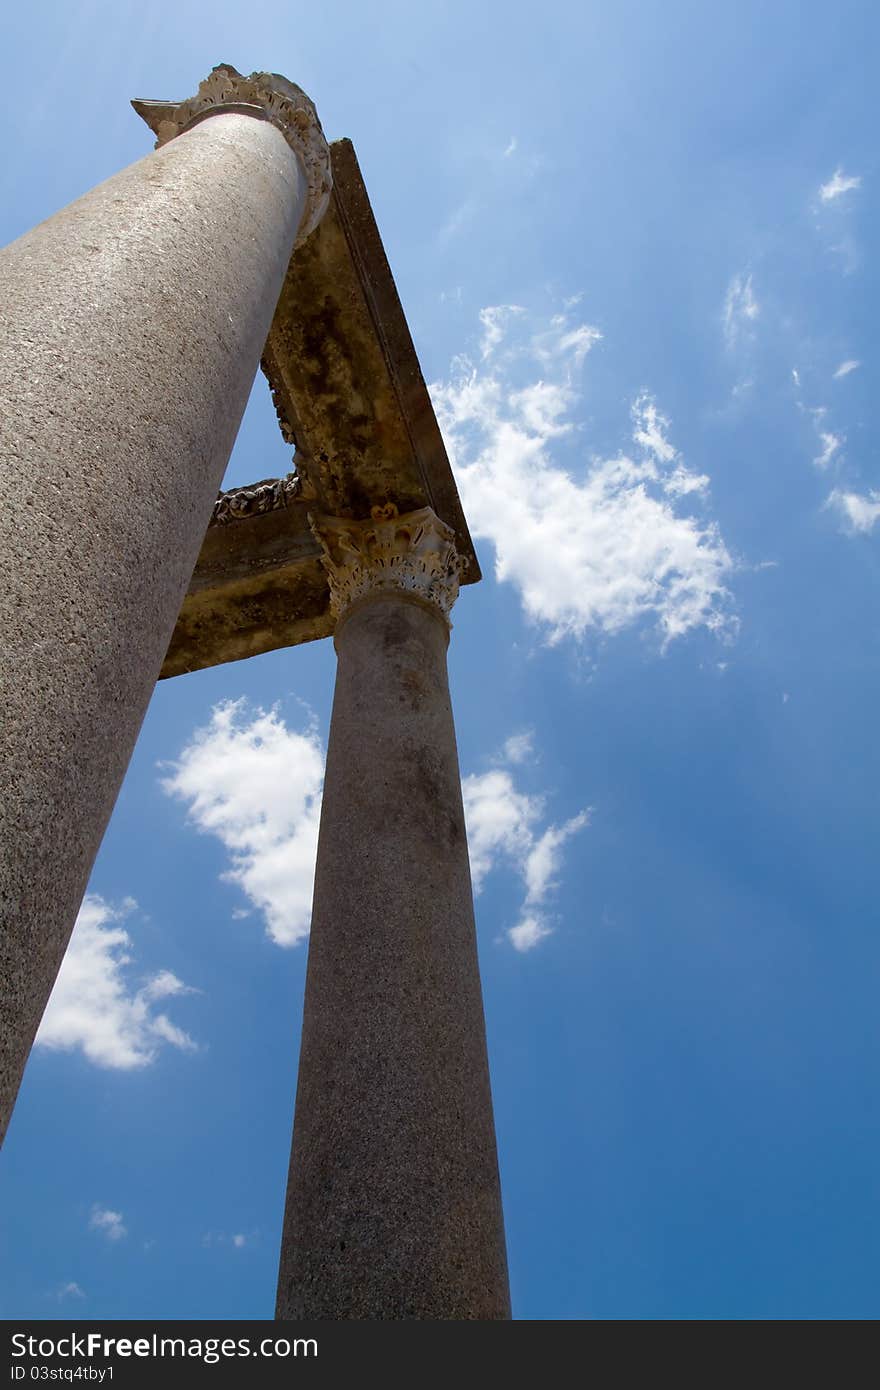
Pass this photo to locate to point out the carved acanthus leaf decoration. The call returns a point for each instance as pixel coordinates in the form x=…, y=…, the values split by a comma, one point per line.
x=413, y=554
x=281, y=102
x=267, y=496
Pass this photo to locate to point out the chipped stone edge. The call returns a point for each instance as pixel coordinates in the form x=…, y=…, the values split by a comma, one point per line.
x=282, y=103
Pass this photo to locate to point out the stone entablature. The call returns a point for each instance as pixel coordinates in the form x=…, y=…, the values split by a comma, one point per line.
x=351, y=398
x=274, y=99
x=413, y=554
x=267, y=496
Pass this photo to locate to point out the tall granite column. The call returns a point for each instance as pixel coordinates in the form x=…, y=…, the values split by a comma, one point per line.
x=131, y=329
x=393, y=1203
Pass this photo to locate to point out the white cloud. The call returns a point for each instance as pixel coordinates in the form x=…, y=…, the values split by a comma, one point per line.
x=830, y=442
x=564, y=346
x=741, y=389
x=544, y=859
x=511, y=148
x=108, y=1222
x=455, y=223
x=594, y=548
x=858, y=513
x=542, y=407
x=830, y=446
x=94, y=1008
x=741, y=308
x=518, y=748
x=578, y=342
x=238, y=1241
x=493, y=318
x=838, y=184
x=528, y=931
x=650, y=430
x=70, y=1290
x=256, y=785
x=502, y=827
x=453, y=296
x=845, y=368
x=499, y=820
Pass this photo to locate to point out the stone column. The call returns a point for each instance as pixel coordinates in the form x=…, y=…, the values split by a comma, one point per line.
x=393, y=1203
x=131, y=329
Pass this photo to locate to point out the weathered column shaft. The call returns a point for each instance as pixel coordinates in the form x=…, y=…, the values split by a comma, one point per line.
x=393, y=1206
x=131, y=329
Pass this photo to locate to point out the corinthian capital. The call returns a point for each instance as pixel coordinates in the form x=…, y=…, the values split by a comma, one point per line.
x=413, y=554
x=269, y=96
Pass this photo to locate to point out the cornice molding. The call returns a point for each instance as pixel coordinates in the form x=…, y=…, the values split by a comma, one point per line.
x=240, y=502
x=269, y=96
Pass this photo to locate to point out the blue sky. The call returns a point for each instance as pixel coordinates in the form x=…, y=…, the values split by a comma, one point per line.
x=636, y=248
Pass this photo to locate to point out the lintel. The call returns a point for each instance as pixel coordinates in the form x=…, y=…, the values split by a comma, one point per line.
x=350, y=396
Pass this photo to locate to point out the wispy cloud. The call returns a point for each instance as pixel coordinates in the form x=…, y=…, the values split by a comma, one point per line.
x=108, y=1223
x=830, y=441
x=94, y=1007
x=741, y=308
x=456, y=222
x=845, y=368
x=562, y=346
x=503, y=827
x=838, y=184
x=256, y=785
x=518, y=748
x=511, y=148
x=69, y=1290
x=596, y=545
x=237, y=1241
x=831, y=445
x=858, y=512
x=832, y=211
x=451, y=296
x=848, y=252
x=494, y=318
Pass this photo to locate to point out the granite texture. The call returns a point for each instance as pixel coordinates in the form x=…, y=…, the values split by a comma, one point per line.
x=133, y=323
x=393, y=1206
x=270, y=97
